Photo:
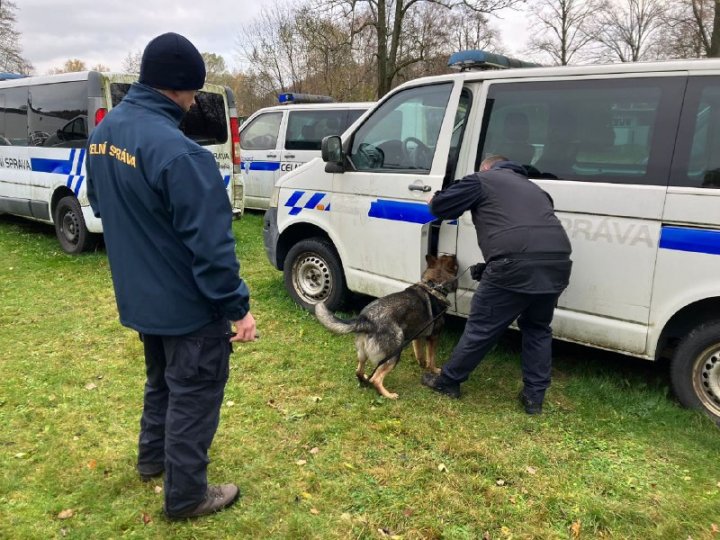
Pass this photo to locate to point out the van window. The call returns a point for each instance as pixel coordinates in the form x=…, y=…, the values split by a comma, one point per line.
x=262, y=132
x=402, y=133
x=52, y=107
x=206, y=122
x=306, y=129
x=698, y=156
x=618, y=130
x=13, y=116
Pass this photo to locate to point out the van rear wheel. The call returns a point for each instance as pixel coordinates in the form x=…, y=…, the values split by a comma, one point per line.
x=70, y=228
x=695, y=369
x=313, y=273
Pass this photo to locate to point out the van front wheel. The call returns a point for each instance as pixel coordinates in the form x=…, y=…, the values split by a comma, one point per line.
x=70, y=227
x=313, y=273
x=695, y=369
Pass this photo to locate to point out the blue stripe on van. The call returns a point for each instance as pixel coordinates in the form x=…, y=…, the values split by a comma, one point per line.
x=401, y=211
x=689, y=239
x=263, y=165
x=59, y=166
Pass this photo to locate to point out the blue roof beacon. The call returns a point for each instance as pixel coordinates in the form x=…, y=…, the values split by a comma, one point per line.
x=286, y=99
x=477, y=59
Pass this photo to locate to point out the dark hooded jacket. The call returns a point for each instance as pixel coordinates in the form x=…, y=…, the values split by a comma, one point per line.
x=166, y=218
x=524, y=245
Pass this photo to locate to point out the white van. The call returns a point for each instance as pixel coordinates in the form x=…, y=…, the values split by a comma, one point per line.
x=275, y=140
x=44, y=126
x=630, y=153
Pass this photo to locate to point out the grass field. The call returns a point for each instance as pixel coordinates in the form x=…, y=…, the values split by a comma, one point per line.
x=315, y=456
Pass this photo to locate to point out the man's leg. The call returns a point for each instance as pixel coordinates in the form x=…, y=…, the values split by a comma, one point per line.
x=196, y=374
x=151, y=445
x=534, y=323
x=492, y=310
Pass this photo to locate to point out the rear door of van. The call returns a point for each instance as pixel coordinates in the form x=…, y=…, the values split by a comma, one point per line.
x=260, y=145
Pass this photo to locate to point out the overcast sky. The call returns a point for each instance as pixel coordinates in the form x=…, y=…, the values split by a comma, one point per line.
x=104, y=31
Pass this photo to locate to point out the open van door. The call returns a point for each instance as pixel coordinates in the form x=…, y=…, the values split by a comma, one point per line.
x=394, y=161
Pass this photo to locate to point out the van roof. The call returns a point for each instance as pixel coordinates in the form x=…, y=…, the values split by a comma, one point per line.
x=668, y=66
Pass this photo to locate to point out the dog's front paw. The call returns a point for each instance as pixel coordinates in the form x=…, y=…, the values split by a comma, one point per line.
x=391, y=395
x=435, y=370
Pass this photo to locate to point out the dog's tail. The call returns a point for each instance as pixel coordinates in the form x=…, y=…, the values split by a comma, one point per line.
x=338, y=326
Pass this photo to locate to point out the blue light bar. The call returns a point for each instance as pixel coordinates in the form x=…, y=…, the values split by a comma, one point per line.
x=304, y=98
x=476, y=59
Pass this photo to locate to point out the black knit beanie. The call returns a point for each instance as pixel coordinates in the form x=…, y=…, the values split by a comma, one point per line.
x=171, y=62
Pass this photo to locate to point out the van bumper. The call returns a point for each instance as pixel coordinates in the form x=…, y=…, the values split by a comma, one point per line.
x=270, y=236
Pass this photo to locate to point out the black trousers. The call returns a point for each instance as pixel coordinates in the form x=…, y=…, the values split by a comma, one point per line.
x=185, y=384
x=491, y=312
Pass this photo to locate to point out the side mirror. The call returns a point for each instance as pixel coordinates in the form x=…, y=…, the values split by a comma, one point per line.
x=331, y=149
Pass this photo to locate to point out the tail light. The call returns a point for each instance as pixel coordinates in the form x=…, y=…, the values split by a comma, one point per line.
x=235, y=134
x=99, y=115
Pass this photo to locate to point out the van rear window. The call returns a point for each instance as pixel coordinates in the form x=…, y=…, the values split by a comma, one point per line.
x=205, y=123
x=306, y=129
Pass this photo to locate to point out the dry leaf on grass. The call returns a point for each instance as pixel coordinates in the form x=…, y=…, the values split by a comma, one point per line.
x=531, y=470
x=92, y=464
x=158, y=489
x=442, y=468
x=714, y=529
x=146, y=518
x=575, y=529
x=486, y=536
x=314, y=511
x=90, y=386
x=301, y=462
x=500, y=482
x=315, y=451
x=66, y=514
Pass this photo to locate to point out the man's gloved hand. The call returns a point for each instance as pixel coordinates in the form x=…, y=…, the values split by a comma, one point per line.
x=476, y=271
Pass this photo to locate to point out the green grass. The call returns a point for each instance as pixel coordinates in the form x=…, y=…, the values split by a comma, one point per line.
x=613, y=456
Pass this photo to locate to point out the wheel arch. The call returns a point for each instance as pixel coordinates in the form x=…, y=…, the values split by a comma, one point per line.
x=683, y=321
x=300, y=231
x=59, y=193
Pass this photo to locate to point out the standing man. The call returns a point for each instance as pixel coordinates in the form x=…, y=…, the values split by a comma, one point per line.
x=527, y=254
x=167, y=223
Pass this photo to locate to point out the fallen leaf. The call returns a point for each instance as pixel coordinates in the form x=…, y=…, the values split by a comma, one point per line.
x=486, y=536
x=714, y=529
x=442, y=468
x=158, y=489
x=315, y=450
x=230, y=403
x=316, y=399
x=531, y=470
x=300, y=462
x=146, y=518
x=384, y=532
x=345, y=516
x=505, y=531
x=575, y=529
x=314, y=511
x=63, y=532
x=513, y=500
x=500, y=482
x=92, y=464
x=408, y=512
x=349, y=466
x=20, y=455
x=65, y=514
x=306, y=495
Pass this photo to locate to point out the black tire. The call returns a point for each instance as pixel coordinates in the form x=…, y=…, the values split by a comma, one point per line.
x=313, y=273
x=70, y=227
x=695, y=369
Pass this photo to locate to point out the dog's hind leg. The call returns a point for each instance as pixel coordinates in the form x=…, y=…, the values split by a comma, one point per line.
x=432, y=343
x=362, y=359
x=419, y=350
x=377, y=379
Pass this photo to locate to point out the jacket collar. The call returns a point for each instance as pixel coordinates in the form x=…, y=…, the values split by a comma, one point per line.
x=149, y=98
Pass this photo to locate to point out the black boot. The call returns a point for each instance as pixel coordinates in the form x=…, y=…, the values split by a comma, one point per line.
x=442, y=385
x=531, y=407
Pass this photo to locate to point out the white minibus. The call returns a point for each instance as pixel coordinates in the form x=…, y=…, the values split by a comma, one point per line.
x=275, y=140
x=630, y=153
x=44, y=126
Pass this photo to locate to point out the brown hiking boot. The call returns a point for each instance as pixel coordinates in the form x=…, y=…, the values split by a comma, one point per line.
x=216, y=499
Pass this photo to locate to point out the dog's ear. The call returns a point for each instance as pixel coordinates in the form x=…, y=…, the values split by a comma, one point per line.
x=430, y=259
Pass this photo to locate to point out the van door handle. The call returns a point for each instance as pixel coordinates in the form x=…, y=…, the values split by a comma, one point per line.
x=419, y=187
x=290, y=155
x=271, y=155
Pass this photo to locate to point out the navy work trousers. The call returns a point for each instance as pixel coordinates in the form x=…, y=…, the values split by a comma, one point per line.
x=492, y=310
x=186, y=378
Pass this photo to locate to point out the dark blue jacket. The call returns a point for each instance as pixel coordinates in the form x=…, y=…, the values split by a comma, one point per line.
x=166, y=219
x=523, y=242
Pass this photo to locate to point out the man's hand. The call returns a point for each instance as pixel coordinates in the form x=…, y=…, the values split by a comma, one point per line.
x=244, y=329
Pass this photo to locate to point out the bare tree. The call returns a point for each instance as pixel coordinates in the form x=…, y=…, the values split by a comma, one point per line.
x=562, y=28
x=131, y=63
x=11, y=58
x=389, y=21
x=100, y=67
x=694, y=29
x=70, y=66
x=625, y=29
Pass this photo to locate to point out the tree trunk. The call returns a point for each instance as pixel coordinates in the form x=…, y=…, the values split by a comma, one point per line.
x=714, y=51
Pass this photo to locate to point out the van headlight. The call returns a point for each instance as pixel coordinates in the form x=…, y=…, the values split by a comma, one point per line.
x=274, y=197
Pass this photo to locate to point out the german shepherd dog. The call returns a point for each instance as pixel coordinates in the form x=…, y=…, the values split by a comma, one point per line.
x=384, y=325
